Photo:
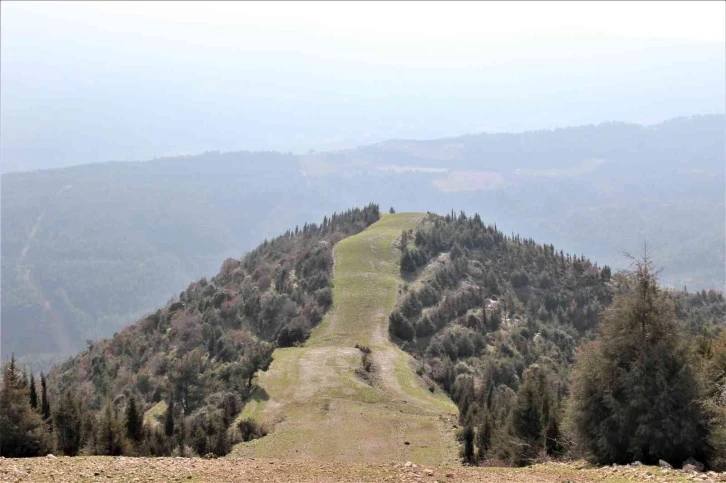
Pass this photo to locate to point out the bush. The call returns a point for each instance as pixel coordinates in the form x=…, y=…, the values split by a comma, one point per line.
x=249, y=430
x=400, y=326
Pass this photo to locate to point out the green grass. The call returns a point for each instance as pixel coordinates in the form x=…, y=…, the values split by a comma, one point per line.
x=311, y=398
x=412, y=385
x=155, y=414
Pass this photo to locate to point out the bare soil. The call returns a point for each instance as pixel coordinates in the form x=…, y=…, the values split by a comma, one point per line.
x=124, y=469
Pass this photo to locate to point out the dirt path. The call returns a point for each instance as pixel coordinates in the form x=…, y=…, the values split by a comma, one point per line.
x=313, y=400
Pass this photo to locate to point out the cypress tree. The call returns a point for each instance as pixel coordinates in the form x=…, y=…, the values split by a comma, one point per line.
x=44, y=403
x=33, y=393
x=468, y=444
x=169, y=421
x=134, y=421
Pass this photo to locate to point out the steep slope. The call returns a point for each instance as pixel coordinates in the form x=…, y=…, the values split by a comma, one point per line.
x=194, y=360
x=313, y=399
x=494, y=319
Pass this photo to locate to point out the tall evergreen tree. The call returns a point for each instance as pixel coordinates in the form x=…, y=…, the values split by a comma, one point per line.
x=169, y=421
x=529, y=416
x=635, y=390
x=44, y=402
x=68, y=424
x=484, y=437
x=33, y=393
x=110, y=437
x=22, y=432
x=134, y=421
x=468, y=444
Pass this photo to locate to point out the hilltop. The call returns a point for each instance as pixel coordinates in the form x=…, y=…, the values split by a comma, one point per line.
x=331, y=405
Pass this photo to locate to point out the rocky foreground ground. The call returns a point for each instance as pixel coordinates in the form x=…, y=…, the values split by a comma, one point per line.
x=96, y=468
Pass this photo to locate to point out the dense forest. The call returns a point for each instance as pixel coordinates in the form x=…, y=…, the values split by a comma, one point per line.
x=498, y=321
x=189, y=366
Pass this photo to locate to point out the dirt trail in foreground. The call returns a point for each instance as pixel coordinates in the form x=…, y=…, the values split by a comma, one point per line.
x=127, y=470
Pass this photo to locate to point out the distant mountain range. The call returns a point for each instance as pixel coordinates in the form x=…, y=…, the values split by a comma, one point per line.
x=87, y=249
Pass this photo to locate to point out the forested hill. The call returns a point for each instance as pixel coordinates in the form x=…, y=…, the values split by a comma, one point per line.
x=86, y=250
x=503, y=325
x=497, y=320
x=199, y=353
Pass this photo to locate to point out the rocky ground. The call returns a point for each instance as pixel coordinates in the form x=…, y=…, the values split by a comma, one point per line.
x=97, y=468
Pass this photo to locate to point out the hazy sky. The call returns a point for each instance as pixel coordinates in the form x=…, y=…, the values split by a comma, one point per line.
x=99, y=81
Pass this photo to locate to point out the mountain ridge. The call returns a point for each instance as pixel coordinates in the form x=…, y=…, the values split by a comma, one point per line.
x=121, y=239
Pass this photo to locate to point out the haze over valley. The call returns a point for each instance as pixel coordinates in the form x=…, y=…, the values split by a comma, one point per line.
x=363, y=241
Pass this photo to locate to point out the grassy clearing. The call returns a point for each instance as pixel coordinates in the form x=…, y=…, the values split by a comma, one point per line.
x=311, y=399
x=155, y=415
x=413, y=386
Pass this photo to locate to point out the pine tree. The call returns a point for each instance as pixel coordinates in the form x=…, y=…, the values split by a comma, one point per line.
x=22, y=432
x=33, y=393
x=528, y=416
x=635, y=390
x=68, y=424
x=111, y=439
x=169, y=421
x=44, y=402
x=484, y=437
x=134, y=421
x=468, y=444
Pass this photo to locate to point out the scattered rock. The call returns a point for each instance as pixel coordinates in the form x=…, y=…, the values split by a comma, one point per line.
x=51, y=456
x=689, y=468
x=664, y=464
x=429, y=472
x=408, y=464
x=693, y=462
x=636, y=463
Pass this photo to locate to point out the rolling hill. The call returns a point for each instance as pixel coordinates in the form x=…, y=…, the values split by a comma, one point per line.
x=86, y=250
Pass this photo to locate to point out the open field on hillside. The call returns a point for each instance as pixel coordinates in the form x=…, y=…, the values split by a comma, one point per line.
x=311, y=397
x=101, y=468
